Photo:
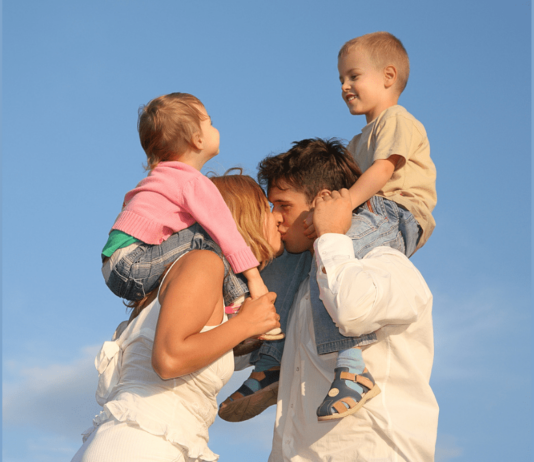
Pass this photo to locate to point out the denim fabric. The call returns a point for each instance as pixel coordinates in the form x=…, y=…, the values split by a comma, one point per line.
x=386, y=224
x=283, y=276
x=378, y=222
x=139, y=272
x=383, y=222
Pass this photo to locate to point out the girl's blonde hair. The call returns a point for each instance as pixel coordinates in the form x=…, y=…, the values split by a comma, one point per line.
x=249, y=207
x=166, y=126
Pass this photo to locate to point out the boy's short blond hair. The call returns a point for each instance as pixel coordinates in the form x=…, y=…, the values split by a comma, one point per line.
x=166, y=126
x=384, y=49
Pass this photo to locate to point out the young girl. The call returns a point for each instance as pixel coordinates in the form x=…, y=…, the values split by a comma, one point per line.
x=178, y=138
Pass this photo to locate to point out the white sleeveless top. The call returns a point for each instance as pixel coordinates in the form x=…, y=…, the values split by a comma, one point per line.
x=180, y=409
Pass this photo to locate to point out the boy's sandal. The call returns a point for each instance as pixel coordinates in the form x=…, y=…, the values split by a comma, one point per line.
x=247, y=346
x=245, y=403
x=342, y=400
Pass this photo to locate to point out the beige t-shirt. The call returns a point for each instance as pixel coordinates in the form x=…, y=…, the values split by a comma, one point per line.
x=413, y=184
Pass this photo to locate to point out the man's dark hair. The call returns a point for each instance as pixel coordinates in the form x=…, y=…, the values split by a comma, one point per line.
x=310, y=166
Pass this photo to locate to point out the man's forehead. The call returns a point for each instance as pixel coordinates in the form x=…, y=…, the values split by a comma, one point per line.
x=285, y=193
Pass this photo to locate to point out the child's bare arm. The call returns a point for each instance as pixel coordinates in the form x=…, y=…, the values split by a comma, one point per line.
x=255, y=283
x=373, y=180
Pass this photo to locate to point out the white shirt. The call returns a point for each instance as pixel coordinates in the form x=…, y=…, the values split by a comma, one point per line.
x=385, y=293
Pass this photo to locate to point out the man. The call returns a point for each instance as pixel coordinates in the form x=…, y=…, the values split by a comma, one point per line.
x=382, y=293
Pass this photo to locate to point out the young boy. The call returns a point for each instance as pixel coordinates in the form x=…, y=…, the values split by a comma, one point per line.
x=393, y=200
x=395, y=194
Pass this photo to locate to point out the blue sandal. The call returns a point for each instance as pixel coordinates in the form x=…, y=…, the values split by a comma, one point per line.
x=342, y=400
x=246, y=403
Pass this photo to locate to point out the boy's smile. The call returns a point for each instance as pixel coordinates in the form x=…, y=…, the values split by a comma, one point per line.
x=363, y=85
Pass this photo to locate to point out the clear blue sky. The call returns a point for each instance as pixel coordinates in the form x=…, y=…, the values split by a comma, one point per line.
x=74, y=75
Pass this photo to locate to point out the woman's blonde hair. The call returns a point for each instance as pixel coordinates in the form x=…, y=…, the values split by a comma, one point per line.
x=249, y=207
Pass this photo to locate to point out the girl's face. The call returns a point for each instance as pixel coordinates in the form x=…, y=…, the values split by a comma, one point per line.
x=273, y=236
x=210, y=135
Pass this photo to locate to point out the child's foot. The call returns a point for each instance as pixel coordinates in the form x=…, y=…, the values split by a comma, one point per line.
x=247, y=346
x=343, y=398
x=274, y=334
x=258, y=392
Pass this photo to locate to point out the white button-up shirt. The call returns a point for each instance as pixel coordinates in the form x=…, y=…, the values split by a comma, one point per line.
x=383, y=292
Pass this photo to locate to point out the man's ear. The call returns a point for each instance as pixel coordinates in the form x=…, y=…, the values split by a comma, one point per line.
x=197, y=141
x=321, y=193
x=390, y=76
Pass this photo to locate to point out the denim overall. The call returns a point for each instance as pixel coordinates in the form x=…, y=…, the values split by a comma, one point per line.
x=139, y=272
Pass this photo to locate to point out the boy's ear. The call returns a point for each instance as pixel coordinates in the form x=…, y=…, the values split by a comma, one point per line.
x=197, y=141
x=390, y=76
x=322, y=193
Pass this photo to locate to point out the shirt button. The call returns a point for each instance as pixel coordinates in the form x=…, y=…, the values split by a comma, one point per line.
x=298, y=369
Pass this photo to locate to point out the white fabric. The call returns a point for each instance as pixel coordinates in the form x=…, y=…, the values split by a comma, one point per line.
x=383, y=292
x=180, y=409
x=115, y=441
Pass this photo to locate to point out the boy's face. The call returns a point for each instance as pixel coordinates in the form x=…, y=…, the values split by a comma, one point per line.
x=362, y=84
x=291, y=208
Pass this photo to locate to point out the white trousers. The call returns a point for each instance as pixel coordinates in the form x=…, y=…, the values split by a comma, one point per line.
x=115, y=441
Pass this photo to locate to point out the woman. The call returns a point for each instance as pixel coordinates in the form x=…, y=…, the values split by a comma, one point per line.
x=159, y=379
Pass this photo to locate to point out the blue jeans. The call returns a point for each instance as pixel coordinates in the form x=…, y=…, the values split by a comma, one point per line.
x=379, y=222
x=139, y=272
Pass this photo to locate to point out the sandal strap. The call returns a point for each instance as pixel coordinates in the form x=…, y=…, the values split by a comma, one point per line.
x=264, y=378
x=339, y=407
x=362, y=380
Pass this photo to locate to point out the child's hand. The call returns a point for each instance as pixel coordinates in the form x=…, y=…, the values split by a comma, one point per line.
x=309, y=228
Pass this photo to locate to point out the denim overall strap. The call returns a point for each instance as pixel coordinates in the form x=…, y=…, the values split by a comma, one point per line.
x=283, y=276
x=327, y=336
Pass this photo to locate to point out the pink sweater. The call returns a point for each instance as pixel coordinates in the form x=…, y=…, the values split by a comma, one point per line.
x=173, y=197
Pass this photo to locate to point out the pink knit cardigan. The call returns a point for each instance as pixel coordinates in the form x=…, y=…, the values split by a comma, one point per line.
x=173, y=197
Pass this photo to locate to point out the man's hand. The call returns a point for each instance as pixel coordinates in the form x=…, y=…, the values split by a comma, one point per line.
x=309, y=229
x=333, y=213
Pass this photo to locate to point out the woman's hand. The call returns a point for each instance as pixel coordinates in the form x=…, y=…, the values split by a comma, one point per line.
x=259, y=316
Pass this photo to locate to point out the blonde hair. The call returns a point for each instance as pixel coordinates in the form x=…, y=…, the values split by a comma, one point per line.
x=384, y=49
x=166, y=126
x=249, y=206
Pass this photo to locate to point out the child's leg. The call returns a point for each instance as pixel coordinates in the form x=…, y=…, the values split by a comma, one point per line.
x=139, y=271
x=283, y=276
x=377, y=223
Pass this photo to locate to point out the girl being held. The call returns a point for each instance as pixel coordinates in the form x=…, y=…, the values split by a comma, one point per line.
x=176, y=208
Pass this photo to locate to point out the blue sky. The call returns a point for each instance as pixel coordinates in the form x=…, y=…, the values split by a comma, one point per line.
x=74, y=75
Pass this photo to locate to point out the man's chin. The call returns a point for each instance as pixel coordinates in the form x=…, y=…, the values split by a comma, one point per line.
x=295, y=248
